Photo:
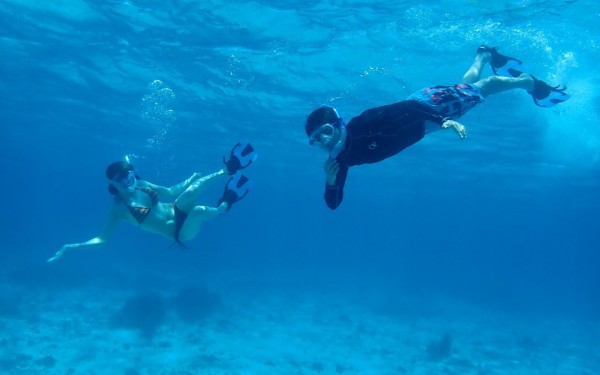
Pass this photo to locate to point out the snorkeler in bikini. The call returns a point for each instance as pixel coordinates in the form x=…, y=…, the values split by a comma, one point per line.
x=138, y=202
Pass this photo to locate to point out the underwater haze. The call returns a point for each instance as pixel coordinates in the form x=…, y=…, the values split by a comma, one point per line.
x=476, y=256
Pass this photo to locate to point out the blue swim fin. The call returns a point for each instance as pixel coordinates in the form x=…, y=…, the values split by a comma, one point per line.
x=236, y=188
x=241, y=156
x=545, y=95
x=503, y=65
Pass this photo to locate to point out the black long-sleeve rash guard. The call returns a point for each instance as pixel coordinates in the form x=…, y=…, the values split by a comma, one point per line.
x=375, y=135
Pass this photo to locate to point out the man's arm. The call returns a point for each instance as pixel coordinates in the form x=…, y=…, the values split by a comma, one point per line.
x=335, y=180
x=428, y=114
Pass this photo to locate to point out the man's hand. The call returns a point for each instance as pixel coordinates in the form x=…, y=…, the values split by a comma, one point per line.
x=331, y=167
x=458, y=128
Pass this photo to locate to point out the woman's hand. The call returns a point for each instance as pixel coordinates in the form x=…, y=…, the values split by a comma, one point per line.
x=331, y=167
x=60, y=253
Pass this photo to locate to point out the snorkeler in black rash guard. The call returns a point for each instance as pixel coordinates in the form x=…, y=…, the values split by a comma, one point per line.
x=381, y=132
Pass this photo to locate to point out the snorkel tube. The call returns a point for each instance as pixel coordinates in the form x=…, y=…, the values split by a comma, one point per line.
x=341, y=126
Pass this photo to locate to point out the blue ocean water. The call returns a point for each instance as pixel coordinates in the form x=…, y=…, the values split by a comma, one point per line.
x=506, y=219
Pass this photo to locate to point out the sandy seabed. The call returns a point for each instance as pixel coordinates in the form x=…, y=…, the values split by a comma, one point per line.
x=289, y=333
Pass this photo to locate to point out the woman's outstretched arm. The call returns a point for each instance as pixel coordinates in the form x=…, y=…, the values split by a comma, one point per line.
x=94, y=242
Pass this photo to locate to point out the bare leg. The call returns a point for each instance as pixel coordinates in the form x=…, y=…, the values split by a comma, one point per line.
x=196, y=217
x=496, y=84
x=473, y=74
x=187, y=200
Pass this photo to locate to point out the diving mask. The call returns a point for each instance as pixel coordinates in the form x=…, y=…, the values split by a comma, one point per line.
x=128, y=181
x=322, y=134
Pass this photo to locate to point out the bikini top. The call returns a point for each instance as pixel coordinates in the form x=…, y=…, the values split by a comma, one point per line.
x=140, y=213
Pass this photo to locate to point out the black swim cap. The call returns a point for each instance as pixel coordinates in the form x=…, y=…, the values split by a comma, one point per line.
x=318, y=117
x=118, y=168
